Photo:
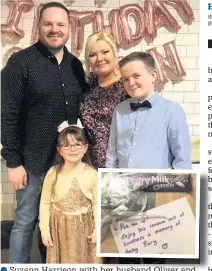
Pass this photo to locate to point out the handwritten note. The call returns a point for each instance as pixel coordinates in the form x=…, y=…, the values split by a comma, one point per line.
x=167, y=229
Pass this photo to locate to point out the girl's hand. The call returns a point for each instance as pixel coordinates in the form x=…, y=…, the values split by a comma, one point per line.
x=47, y=240
x=92, y=238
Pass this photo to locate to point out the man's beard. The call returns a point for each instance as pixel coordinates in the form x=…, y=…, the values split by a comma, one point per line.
x=55, y=48
x=48, y=43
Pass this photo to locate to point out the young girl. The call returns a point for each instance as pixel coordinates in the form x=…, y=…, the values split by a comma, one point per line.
x=68, y=202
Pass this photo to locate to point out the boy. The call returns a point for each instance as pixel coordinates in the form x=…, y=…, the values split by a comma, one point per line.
x=147, y=131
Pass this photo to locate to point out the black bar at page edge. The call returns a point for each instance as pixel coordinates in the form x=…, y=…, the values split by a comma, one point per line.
x=209, y=43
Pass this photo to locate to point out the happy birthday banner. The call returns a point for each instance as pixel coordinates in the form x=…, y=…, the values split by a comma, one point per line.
x=147, y=20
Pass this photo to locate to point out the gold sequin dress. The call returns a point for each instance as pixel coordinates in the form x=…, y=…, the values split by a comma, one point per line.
x=71, y=222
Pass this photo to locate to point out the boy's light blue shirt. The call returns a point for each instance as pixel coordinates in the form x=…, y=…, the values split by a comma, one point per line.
x=149, y=138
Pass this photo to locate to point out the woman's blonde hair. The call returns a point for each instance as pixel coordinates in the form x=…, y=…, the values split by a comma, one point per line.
x=93, y=38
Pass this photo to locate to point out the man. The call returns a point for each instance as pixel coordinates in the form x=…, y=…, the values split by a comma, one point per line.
x=41, y=87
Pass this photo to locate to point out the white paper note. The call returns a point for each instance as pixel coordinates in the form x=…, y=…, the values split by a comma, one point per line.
x=167, y=229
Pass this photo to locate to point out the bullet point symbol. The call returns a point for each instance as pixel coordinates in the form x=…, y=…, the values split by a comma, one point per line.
x=3, y=269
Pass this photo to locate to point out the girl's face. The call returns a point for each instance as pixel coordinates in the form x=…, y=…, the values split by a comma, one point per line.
x=101, y=58
x=72, y=150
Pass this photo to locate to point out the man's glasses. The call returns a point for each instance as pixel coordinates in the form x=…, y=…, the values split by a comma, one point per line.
x=77, y=146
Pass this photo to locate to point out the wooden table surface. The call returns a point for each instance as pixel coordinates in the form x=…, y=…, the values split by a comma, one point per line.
x=108, y=245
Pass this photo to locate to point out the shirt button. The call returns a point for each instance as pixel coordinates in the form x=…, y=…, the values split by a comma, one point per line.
x=63, y=85
x=136, y=129
x=134, y=144
x=130, y=160
x=66, y=102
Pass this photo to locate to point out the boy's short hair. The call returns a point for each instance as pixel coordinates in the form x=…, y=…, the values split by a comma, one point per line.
x=146, y=58
x=53, y=5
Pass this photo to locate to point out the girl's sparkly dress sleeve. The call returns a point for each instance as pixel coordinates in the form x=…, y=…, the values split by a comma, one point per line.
x=96, y=111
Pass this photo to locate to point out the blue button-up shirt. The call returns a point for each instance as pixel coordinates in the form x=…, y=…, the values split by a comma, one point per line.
x=149, y=138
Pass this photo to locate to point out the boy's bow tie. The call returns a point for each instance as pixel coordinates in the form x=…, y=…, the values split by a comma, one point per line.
x=135, y=106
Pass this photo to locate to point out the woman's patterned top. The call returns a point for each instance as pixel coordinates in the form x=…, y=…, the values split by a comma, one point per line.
x=96, y=112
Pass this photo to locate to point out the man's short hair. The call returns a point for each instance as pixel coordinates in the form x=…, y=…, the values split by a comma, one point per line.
x=146, y=58
x=53, y=5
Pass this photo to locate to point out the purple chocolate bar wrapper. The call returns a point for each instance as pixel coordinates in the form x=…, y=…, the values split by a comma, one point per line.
x=159, y=182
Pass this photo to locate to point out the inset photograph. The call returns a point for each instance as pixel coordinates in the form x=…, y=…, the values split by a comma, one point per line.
x=148, y=214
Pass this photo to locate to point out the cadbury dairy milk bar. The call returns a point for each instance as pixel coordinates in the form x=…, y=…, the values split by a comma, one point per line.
x=158, y=182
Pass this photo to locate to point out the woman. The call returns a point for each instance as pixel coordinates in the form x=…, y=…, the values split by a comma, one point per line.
x=106, y=91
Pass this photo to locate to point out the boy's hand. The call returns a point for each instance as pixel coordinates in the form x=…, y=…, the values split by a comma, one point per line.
x=47, y=241
x=92, y=238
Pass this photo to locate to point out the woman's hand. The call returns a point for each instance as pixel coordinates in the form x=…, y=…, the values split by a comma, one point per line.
x=92, y=238
x=47, y=240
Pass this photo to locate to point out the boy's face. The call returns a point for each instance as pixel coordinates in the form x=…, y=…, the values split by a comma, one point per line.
x=137, y=80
